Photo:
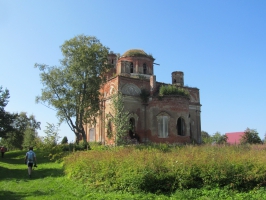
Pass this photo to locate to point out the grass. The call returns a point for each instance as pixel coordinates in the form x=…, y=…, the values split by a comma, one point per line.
x=50, y=182
x=47, y=182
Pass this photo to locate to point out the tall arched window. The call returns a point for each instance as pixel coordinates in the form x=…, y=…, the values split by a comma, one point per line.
x=144, y=68
x=131, y=67
x=163, y=120
x=181, y=126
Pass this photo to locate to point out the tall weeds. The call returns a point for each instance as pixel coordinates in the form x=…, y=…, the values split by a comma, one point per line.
x=164, y=169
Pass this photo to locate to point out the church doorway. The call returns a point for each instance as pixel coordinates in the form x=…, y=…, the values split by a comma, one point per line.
x=132, y=131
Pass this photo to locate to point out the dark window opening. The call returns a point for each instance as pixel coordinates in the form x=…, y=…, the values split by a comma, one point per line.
x=144, y=68
x=174, y=81
x=132, y=133
x=109, y=129
x=131, y=67
x=132, y=127
x=181, y=127
x=112, y=61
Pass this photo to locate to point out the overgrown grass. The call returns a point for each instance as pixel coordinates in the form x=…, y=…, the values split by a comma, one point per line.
x=133, y=173
x=151, y=170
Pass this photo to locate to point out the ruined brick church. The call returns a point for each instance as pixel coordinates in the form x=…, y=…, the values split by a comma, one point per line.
x=167, y=119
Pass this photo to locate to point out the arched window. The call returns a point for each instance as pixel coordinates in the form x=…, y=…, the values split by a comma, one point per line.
x=181, y=126
x=163, y=121
x=131, y=67
x=144, y=68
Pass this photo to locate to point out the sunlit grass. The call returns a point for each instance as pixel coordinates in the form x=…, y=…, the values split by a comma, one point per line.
x=115, y=173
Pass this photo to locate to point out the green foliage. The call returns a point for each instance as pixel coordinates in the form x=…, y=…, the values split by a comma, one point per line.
x=29, y=138
x=52, y=135
x=218, y=138
x=6, y=118
x=23, y=133
x=172, y=90
x=15, y=128
x=154, y=170
x=144, y=95
x=64, y=140
x=251, y=136
x=119, y=120
x=73, y=88
x=49, y=182
x=206, y=138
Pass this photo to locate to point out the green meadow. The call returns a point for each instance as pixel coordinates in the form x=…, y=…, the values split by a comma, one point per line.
x=138, y=172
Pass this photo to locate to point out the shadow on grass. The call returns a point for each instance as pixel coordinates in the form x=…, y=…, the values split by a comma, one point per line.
x=17, y=157
x=23, y=173
x=20, y=195
x=11, y=195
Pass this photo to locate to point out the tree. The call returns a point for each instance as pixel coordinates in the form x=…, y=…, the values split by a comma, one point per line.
x=251, y=136
x=52, y=135
x=218, y=138
x=206, y=138
x=64, y=140
x=29, y=137
x=73, y=88
x=119, y=119
x=6, y=118
x=21, y=127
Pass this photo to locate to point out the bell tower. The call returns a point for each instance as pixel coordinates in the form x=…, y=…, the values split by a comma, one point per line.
x=178, y=78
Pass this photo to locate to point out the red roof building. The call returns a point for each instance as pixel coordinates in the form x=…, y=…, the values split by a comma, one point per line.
x=234, y=137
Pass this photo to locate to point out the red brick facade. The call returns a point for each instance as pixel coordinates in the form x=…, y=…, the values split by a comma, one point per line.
x=167, y=119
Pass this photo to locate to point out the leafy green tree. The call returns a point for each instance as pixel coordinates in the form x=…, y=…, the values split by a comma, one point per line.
x=218, y=138
x=251, y=136
x=206, y=138
x=64, y=140
x=29, y=137
x=6, y=118
x=52, y=135
x=73, y=88
x=119, y=119
x=21, y=125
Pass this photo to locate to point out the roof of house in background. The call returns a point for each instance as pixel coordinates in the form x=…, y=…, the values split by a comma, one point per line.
x=234, y=137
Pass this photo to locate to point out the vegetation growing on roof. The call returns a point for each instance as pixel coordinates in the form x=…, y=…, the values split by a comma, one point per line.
x=137, y=52
x=172, y=90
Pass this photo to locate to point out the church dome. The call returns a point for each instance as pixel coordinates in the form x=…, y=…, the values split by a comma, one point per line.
x=136, y=52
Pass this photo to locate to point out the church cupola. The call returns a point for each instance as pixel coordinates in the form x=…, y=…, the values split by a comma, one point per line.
x=135, y=62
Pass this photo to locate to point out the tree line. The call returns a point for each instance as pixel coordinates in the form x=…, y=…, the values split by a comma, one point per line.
x=20, y=130
x=17, y=130
x=250, y=136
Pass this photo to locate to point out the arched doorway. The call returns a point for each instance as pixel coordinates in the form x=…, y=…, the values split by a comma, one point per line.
x=132, y=131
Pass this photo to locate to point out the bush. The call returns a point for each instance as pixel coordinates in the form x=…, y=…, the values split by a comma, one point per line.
x=172, y=90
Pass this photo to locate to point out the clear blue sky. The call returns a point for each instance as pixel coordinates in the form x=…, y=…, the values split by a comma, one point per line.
x=219, y=45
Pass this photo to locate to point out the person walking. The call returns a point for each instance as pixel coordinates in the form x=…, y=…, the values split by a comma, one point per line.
x=3, y=150
x=30, y=160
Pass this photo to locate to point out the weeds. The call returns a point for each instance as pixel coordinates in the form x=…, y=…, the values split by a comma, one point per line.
x=163, y=169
